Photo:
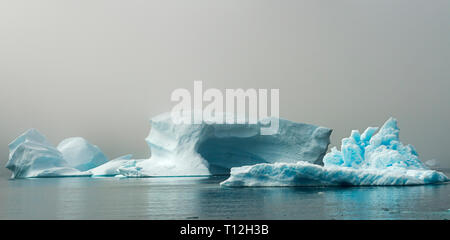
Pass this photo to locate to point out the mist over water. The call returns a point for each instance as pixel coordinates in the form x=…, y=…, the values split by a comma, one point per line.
x=101, y=69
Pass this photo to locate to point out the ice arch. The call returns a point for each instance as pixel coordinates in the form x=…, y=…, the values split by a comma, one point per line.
x=209, y=149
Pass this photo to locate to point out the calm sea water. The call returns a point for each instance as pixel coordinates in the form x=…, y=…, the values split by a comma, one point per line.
x=203, y=198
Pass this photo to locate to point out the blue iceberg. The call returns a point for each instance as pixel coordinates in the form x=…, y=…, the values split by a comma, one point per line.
x=81, y=154
x=377, y=151
x=371, y=158
x=295, y=156
x=307, y=174
x=31, y=155
x=180, y=149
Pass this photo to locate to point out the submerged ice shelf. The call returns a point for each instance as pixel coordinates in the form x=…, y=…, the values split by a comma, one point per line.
x=364, y=159
x=307, y=174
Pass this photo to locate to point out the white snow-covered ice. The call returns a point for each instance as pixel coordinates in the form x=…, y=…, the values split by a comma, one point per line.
x=110, y=168
x=180, y=149
x=371, y=158
x=31, y=155
x=81, y=154
x=308, y=174
x=295, y=156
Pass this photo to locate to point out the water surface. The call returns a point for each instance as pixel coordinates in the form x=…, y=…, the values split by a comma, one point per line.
x=203, y=198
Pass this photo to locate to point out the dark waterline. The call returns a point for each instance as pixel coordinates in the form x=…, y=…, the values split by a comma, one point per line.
x=203, y=198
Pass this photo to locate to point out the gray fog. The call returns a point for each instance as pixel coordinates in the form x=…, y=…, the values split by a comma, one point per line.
x=101, y=69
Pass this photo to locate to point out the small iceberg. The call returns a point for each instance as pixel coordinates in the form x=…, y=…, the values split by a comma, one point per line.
x=371, y=158
x=31, y=155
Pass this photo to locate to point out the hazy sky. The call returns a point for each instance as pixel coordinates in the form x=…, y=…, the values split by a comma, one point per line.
x=101, y=69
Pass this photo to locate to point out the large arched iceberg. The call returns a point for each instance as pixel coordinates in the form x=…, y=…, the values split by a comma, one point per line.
x=180, y=149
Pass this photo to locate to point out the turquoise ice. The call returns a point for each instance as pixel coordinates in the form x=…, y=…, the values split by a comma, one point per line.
x=377, y=151
x=32, y=155
x=371, y=158
x=81, y=154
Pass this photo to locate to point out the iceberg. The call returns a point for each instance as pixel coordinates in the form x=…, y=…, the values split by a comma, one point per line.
x=81, y=154
x=130, y=170
x=32, y=135
x=295, y=156
x=307, y=174
x=31, y=155
x=111, y=168
x=371, y=158
x=180, y=149
x=379, y=151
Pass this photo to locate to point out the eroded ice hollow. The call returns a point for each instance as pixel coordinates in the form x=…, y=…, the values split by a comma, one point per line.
x=371, y=158
x=213, y=149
